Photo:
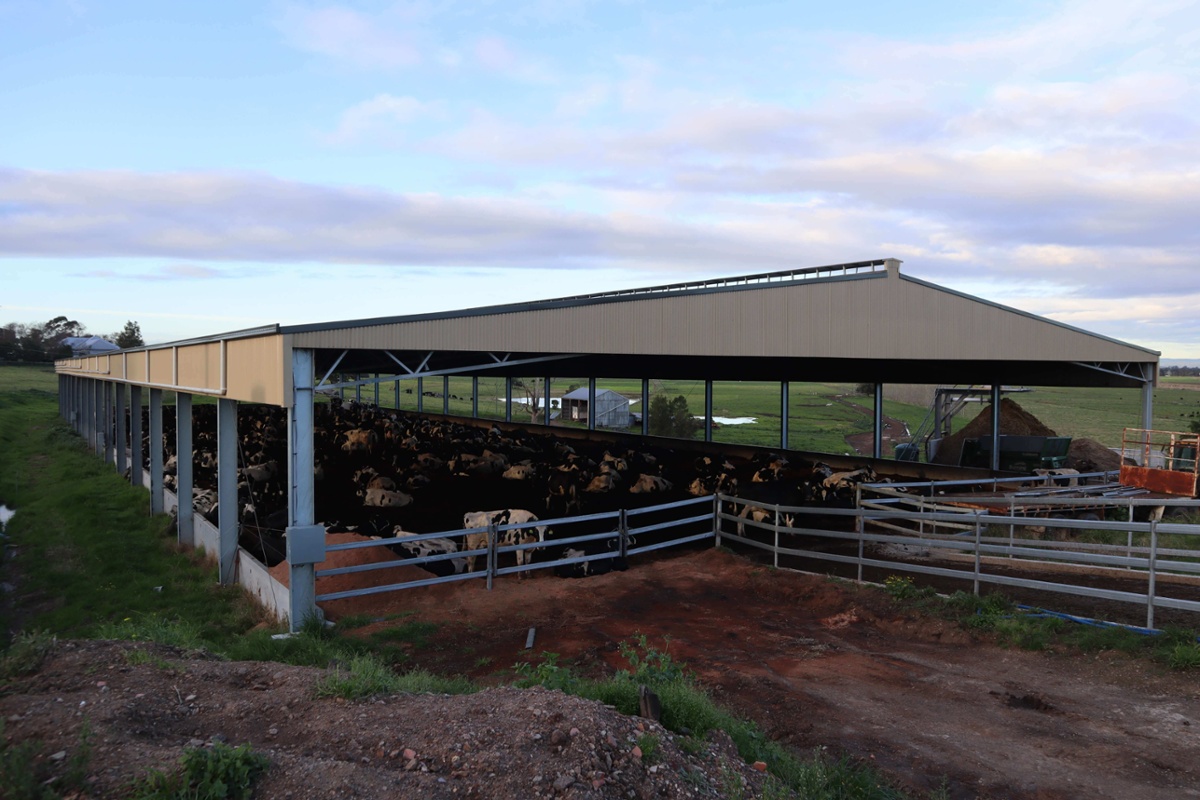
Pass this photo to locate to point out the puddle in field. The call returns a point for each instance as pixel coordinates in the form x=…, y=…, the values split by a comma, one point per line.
x=6, y=514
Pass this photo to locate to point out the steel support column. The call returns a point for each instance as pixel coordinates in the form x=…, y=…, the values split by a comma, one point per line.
x=474, y=397
x=1148, y=405
x=109, y=437
x=784, y=402
x=136, y=461
x=446, y=395
x=305, y=540
x=508, y=399
x=185, y=519
x=546, y=402
x=645, y=406
x=877, y=440
x=376, y=385
x=122, y=438
x=995, y=426
x=156, y=452
x=97, y=400
x=708, y=409
x=227, y=494
x=420, y=395
x=591, y=404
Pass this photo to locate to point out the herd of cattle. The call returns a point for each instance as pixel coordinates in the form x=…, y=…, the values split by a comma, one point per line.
x=384, y=473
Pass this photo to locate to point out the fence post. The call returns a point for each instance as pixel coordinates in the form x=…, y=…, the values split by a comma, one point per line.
x=623, y=531
x=1012, y=512
x=491, y=555
x=1151, y=587
x=859, y=527
x=978, y=536
x=716, y=520
x=776, y=553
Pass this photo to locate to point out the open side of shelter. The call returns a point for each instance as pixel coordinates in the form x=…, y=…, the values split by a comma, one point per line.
x=863, y=322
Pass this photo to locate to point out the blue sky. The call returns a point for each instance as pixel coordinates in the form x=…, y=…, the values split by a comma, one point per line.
x=203, y=167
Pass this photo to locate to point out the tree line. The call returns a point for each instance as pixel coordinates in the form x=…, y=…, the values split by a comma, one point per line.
x=44, y=342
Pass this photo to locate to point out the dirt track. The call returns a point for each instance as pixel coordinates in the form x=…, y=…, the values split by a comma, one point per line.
x=817, y=662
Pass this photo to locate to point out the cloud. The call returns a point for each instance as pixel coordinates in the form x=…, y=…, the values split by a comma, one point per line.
x=172, y=272
x=383, y=117
x=344, y=34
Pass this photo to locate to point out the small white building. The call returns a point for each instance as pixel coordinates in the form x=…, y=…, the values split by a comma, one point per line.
x=612, y=408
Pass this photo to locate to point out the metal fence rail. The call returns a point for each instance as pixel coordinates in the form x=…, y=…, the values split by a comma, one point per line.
x=620, y=541
x=973, y=545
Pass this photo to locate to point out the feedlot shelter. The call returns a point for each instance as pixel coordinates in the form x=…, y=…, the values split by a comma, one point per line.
x=862, y=322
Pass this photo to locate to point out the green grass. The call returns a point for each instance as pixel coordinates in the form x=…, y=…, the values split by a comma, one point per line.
x=221, y=772
x=687, y=709
x=1033, y=629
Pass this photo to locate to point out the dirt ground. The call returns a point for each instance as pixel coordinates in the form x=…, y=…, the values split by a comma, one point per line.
x=822, y=663
x=816, y=662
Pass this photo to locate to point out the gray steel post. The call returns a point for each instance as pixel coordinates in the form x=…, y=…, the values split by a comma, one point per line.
x=375, y=388
x=136, y=461
x=227, y=491
x=1148, y=405
x=492, y=537
x=877, y=442
x=1152, y=575
x=474, y=397
x=623, y=532
x=978, y=554
x=446, y=395
x=184, y=482
x=508, y=399
x=645, y=406
x=156, y=452
x=305, y=539
x=784, y=402
x=122, y=439
x=995, y=426
x=358, y=386
x=98, y=417
x=420, y=395
x=591, y=404
x=546, y=402
x=109, y=443
x=397, y=394
x=708, y=410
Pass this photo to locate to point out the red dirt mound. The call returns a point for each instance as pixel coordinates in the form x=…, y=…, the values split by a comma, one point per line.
x=353, y=558
x=1014, y=421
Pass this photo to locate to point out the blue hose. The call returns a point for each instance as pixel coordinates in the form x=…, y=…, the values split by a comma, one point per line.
x=1042, y=613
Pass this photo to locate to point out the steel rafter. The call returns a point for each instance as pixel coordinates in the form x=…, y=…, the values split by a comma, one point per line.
x=422, y=372
x=1131, y=369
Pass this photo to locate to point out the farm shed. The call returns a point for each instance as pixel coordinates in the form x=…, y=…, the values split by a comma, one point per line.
x=862, y=322
x=612, y=408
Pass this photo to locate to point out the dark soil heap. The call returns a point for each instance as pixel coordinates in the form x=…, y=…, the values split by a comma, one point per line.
x=1014, y=421
x=1085, y=455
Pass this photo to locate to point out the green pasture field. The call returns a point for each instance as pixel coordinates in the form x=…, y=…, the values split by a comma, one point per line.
x=820, y=415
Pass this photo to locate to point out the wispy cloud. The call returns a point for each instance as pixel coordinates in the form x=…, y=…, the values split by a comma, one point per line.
x=383, y=41
x=383, y=117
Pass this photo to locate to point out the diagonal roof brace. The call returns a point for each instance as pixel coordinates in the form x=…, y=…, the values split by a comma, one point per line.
x=1135, y=370
x=421, y=372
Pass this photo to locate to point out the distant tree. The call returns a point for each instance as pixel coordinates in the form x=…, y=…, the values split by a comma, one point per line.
x=671, y=418
x=130, y=336
x=532, y=389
